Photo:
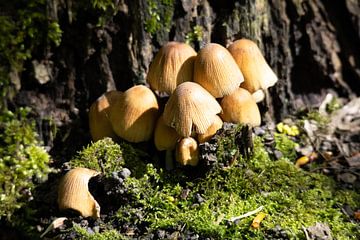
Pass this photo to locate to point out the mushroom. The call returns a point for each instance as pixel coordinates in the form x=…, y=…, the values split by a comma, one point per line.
x=190, y=106
x=165, y=139
x=240, y=107
x=210, y=132
x=134, y=115
x=187, y=152
x=172, y=65
x=73, y=193
x=216, y=70
x=256, y=71
x=99, y=123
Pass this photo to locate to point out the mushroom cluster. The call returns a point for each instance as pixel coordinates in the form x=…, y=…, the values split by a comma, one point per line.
x=204, y=89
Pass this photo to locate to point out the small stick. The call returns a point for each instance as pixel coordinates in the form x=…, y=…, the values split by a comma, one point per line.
x=58, y=222
x=233, y=219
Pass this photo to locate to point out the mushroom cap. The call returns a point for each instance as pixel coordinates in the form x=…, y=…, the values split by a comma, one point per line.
x=256, y=71
x=190, y=105
x=210, y=132
x=134, y=115
x=216, y=70
x=187, y=152
x=165, y=137
x=99, y=112
x=172, y=65
x=73, y=192
x=240, y=107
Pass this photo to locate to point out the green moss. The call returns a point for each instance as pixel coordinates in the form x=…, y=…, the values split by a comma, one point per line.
x=286, y=146
x=159, y=15
x=105, y=235
x=292, y=199
x=106, y=156
x=196, y=35
x=23, y=161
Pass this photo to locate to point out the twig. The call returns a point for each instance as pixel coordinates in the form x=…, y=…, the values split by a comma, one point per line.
x=233, y=219
x=306, y=233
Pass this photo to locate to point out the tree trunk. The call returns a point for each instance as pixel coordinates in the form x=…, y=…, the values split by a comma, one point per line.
x=312, y=45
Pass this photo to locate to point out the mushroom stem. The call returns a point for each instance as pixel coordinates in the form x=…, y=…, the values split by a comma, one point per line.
x=169, y=163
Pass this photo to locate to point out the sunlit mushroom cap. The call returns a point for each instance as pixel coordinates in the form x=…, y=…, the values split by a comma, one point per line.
x=99, y=112
x=165, y=137
x=216, y=71
x=73, y=193
x=240, y=107
x=187, y=152
x=210, y=132
x=134, y=115
x=172, y=65
x=256, y=71
x=190, y=106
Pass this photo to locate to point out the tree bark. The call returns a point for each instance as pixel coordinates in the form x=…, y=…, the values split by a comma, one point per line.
x=312, y=45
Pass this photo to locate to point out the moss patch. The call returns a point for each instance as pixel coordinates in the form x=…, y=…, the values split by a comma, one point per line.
x=23, y=161
x=291, y=198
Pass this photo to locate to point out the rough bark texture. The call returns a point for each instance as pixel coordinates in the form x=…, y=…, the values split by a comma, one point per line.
x=312, y=45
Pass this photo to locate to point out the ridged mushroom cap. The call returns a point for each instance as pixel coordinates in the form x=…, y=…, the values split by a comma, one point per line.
x=134, y=115
x=99, y=112
x=172, y=65
x=190, y=106
x=165, y=137
x=240, y=107
x=210, y=132
x=187, y=152
x=216, y=70
x=257, y=73
x=73, y=193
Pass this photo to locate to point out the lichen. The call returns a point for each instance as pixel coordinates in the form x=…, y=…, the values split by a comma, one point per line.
x=23, y=161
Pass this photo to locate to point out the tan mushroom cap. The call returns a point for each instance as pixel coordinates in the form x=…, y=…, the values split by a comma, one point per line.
x=210, y=132
x=187, y=152
x=172, y=65
x=190, y=106
x=73, y=193
x=240, y=107
x=216, y=70
x=134, y=115
x=165, y=137
x=99, y=112
x=256, y=71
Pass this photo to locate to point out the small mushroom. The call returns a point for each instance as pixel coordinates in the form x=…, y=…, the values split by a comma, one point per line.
x=240, y=107
x=190, y=106
x=73, y=193
x=165, y=137
x=256, y=71
x=134, y=115
x=210, y=132
x=187, y=152
x=99, y=122
x=172, y=65
x=216, y=70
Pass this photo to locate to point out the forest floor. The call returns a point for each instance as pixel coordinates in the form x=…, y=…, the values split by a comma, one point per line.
x=297, y=179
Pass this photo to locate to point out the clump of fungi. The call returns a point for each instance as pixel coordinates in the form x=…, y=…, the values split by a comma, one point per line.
x=205, y=89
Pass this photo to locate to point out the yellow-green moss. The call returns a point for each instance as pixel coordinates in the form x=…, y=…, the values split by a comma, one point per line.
x=22, y=161
x=107, y=157
x=159, y=15
x=291, y=198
